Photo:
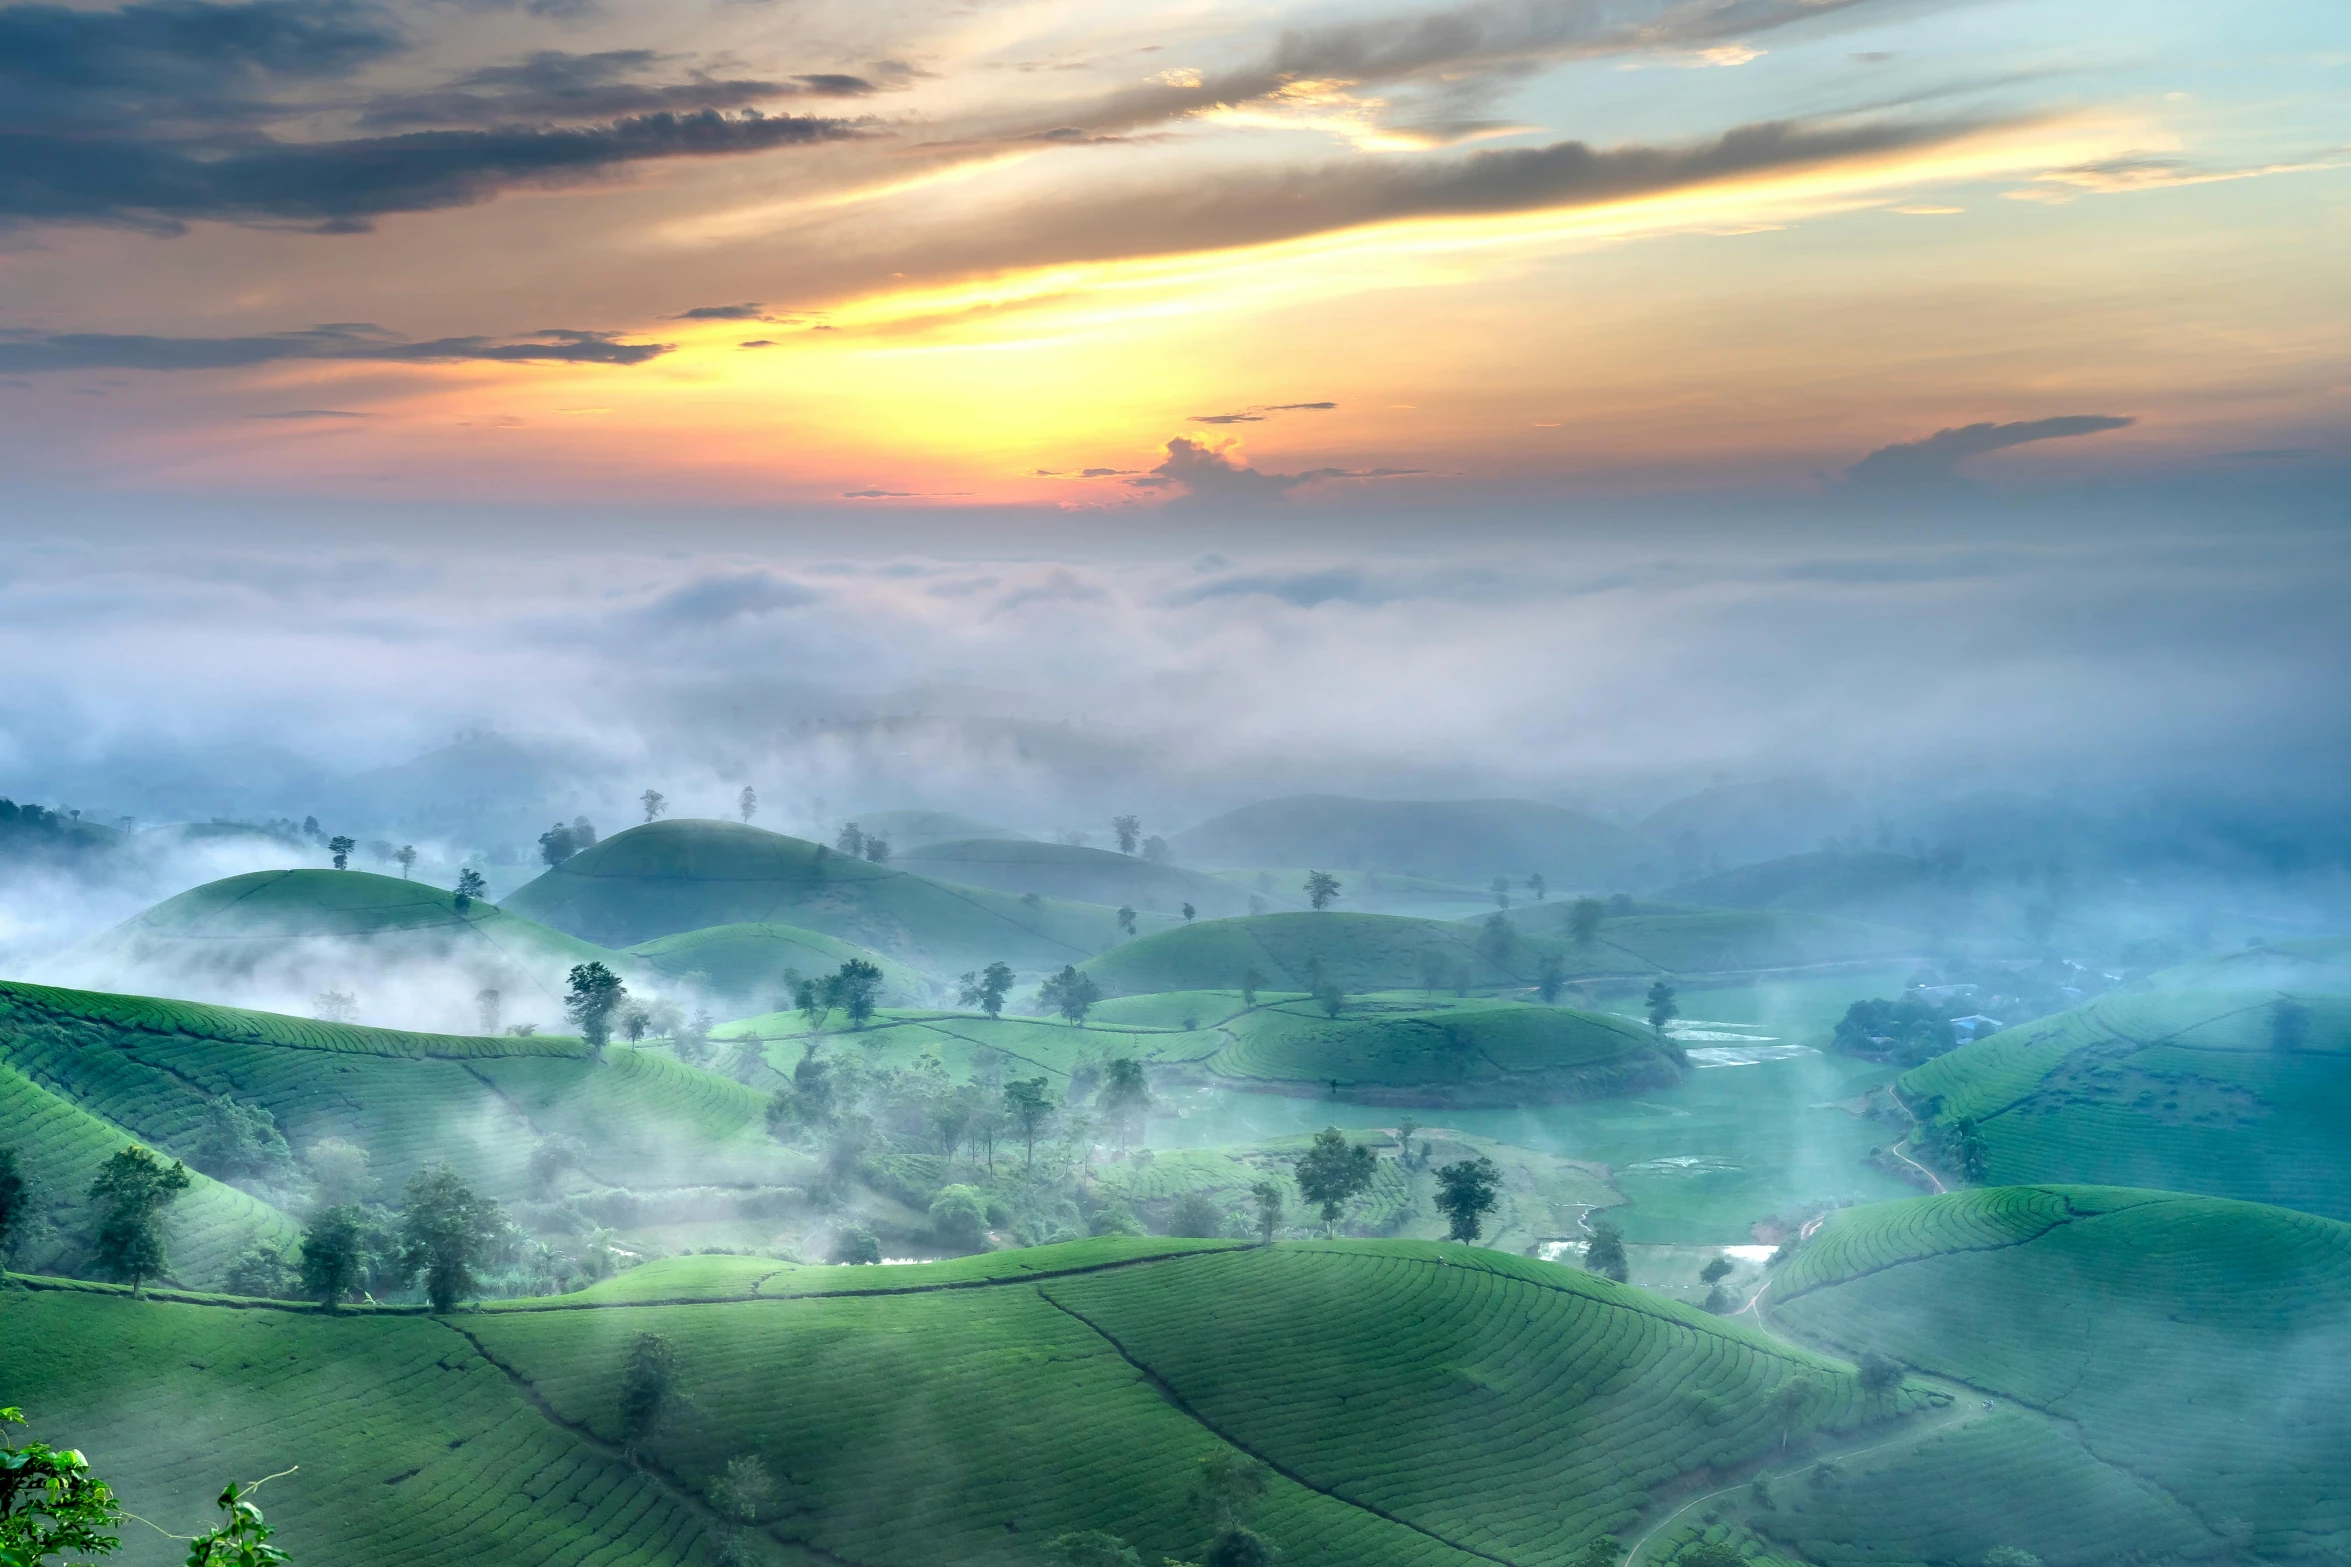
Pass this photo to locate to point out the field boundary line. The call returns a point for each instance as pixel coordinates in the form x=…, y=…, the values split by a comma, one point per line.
x=1167, y=1391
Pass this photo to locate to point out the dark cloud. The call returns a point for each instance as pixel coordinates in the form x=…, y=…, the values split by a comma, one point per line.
x=1208, y=477
x=879, y=495
x=1459, y=55
x=555, y=85
x=343, y=186
x=174, y=62
x=312, y=413
x=1932, y=459
x=32, y=352
x=1257, y=413
x=749, y=312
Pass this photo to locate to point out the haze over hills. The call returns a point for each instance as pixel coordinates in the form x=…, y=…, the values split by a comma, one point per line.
x=1072, y=871
x=1459, y=840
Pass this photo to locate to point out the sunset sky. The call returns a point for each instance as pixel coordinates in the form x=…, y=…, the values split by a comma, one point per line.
x=815, y=254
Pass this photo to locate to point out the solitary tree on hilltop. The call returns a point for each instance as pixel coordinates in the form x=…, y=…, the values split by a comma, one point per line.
x=986, y=989
x=1333, y=1172
x=747, y=803
x=470, y=885
x=131, y=1192
x=654, y=802
x=1129, y=829
x=1189, y=912
x=406, y=855
x=446, y=1232
x=1466, y=1193
x=340, y=847
x=557, y=844
x=1583, y=920
x=1321, y=888
x=1662, y=1009
x=596, y=994
x=1070, y=993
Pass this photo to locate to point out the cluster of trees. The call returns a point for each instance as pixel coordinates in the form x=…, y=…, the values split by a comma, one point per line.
x=1908, y=1031
x=561, y=841
x=854, y=988
x=859, y=844
x=1225, y=1491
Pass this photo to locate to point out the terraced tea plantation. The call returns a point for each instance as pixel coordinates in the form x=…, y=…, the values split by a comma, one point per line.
x=2168, y=1375
x=745, y=968
x=2186, y=1089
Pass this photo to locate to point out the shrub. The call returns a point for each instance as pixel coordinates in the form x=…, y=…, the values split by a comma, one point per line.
x=1196, y=1215
x=857, y=1244
x=959, y=1218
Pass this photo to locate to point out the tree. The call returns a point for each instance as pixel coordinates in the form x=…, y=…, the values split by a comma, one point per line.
x=1497, y=941
x=746, y=1492
x=1790, y=1400
x=877, y=848
x=406, y=855
x=1333, y=1172
x=647, y=1380
x=1126, y=918
x=1661, y=1007
x=1879, y=1375
x=1583, y=920
x=50, y=1503
x=853, y=988
x=241, y=1142
x=1715, y=1271
x=558, y=843
x=810, y=998
x=850, y=840
x=1125, y=1098
x=654, y=802
x=2289, y=1025
x=470, y=885
x=1239, y=1548
x=1155, y=850
x=332, y=1258
x=340, y=847
x=596, y=994
x=1466, y=1193
x=334, y=1006
x=15, y=1204
x=1070, y=993
x=1551, y=977
x=486, y=1009
x=1605, y=1254
x=1329, y=997
x=445, y=1233
x=1501, y=891
x=1967, y=1147
x=1226, y=1486
x=1092, y=1548
x=131, y=1192
x=1710, y=1553
x=747, y=803
x=857, y=1246
x=987, y=988
x=1190, y=913
x=635, y=1024
x=1028, y=1107
x=1606, y=1551
x=1251, y=982
x=1128, y=828
x=959, y=1218
x=1537, y=886
x=1268, y=1196
x=1321, y=888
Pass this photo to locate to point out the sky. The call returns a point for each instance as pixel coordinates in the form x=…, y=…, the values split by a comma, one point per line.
x=1500, y=396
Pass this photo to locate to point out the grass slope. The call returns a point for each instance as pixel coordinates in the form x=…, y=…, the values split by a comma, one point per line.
x=911, y=830
x=61, y=1145
x=284, y=935
x=1704, y=941
x=2176, y=1364
x=742, y=967
x=1450, y=840
x=2178, y=1089
x=677, y=876
x=1061, y=870
x=151, y=1067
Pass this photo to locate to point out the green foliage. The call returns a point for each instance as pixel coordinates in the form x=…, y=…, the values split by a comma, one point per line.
x=1321, y=888
x=1466, y=1193
x=1268, y=1197
x=747, y=1492
x=1909, y=1031
x=1070, y=994
x=855, y=988
x=986, y=989
x=15, y=1203
x=239, y=1540
x=1115, y=1220
x=130, y=1195
x=1198, y=1215
x=1605, y=1253
x=959, y=1218
x=1584, y=918
x=1662, y=1008
x=647, y=1382
x=1711, y=1553
x=50, y=1503
x=1332, y=1173
x=855, y=1245
x=1092, y=1548
x=333, y=1256
x=1239, y=1548
x=447, y=1231
x=1124, y=1098
x=1029, y=1108
x=595, y=995
x=241, y=1142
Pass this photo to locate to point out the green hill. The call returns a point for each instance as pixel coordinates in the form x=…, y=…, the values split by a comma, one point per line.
x=2168, y=1375
x=281, y=937
x=2187, y=1090
x=1707, y=941
x=2322, y=965
x=742, y=967
x=642, y=1120
x=908, y=831
x=669, y=877
x=1418, y=1404
x=1867, y=884
x=1469, y=841
x=1060, y=870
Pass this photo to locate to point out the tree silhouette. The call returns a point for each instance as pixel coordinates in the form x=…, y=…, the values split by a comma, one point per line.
x=406, y=855
x=1321, y=888
x=654, y=802
x=747, y=803
x=340, y=847
x=1333, y=1172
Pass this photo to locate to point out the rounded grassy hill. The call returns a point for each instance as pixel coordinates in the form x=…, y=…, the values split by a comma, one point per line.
x=668, y=877
x=1061, y=870
x=1712, y=941
x=1357, y=952
x=2233, y=1093
x=907, y=831
x=281, y=937
x=2152, y=1377
x=744, y=968
x=1451, y=840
